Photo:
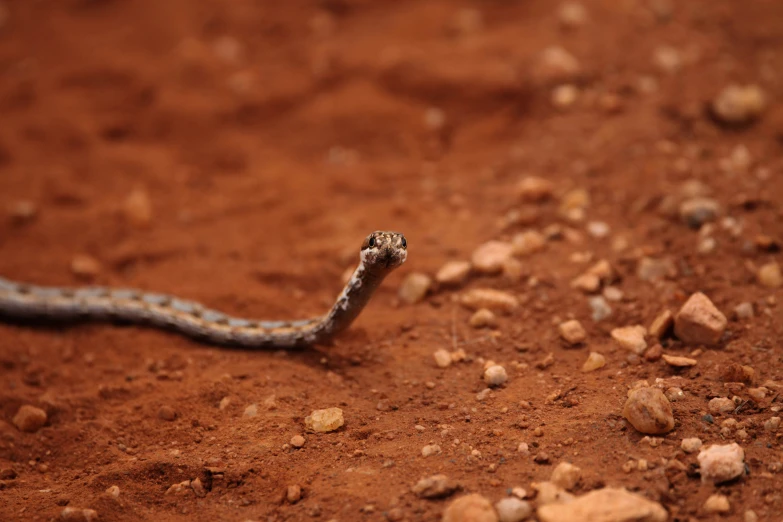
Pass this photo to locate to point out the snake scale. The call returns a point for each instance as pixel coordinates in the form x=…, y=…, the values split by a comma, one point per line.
x=380, y=253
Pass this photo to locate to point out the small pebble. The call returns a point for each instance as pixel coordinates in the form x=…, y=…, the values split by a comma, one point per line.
x=85, y=267
x=414, y=288
x=489, y=298
x=470, y=508
x=566, y=475
x=297, y=441
x=587, y=283
x=512, y=509
x=74, y=514
x=442, y=358
x=564, y=96
x=250, y=411
x=22, y=211
x=167, y=413
x=324, y=421
x=661, y=325
x=721, y=463
x=649, y=411
x=113, y=491
x=29, y=419
x=598, y=229
x=695, y=212
x=495, y=375
x=737, y=105
x=667, y=59
x=772, y=424
x=744, y=311
x=594, y=361
x=430, y=449
x=483, y=318
x=490, y=257
x=198, y=488
x=293, y=493
x=181, y=489
x=674, y=394
x=721, y=405
x=453, y=273
x=436, y=486
x=600, y=309
x=653, y=353
x=612, y=293
x=572, y=332
x=678, y=361
x=631, y=338
x=556, y=66
x=137, y=209
x=572, y=15
x=769, y=275
x=690, y=445
x=699, y=321
x=534, y=189
x=717, y=503
x=527, y=243
x=750, y=516
x=650, y=269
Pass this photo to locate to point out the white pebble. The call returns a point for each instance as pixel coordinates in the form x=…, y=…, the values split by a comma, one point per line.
x=490, y=257
x=430, y=449
x=631, y=338
x=717, y=503
x=495, y=375
x=442, y=358
x=599, y=307
x=482, y=318
x=690, y=445
x=721, y=463
x=414, y=288
x=453, y=273
x=512, y=509
x=489, y=298
x=325, y=420
x=594, y=361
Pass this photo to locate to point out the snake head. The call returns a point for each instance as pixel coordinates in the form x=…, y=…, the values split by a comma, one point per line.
x=384, y=250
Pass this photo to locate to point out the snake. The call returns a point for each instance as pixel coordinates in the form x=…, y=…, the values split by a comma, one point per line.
x=381, y=252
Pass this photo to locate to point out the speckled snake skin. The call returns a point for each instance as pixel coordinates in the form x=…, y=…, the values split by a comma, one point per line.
x=381, y=253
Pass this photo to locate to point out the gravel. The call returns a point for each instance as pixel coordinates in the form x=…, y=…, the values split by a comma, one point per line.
x=297, y=441
x=739, y=104
x=721, y=405
x=414, y=288
x=511, y=509
x=329, y=419
x=605, y=505
x=566, y=475
x=599, y=308
x=490, y=257
x=489, y=298
x=483, y=318
x=470, y=508
x=691, y=445
x=721, y=463
x=453, y=273
x=572, y=332
x=631, y=338
x=527, y=243
x=594, y=361
x=436, y=486
x=717, y=503
x=495, y=375
x=769, y=275
x=85, y=267
x=29, y=418
x=442, y=358
x=699, y=321
x=430, y=449
x=649, y=411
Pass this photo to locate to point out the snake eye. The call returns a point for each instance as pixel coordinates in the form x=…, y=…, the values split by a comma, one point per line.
x=404, y=243
x=371, y=242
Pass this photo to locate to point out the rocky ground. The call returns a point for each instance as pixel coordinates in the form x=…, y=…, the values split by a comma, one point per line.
x=588, y=323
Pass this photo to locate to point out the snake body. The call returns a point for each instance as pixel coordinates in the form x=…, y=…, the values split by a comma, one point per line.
x=380, y=253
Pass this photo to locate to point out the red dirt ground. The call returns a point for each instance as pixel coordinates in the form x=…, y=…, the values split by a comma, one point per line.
x=271, y=137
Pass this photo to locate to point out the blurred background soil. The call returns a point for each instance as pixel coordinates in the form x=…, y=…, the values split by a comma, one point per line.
x=237, y=153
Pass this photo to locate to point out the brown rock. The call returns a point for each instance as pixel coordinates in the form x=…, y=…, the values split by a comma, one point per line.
x=649, y=411
x=661, y=325
x=699, y=321
x=605, y=505
x=29, y=419
x=677, y=361
x=436, y=486
x=572, y=332
x=470, y=508
x=489, y=298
